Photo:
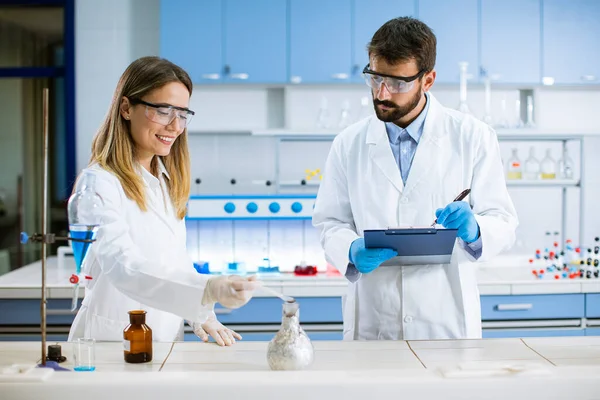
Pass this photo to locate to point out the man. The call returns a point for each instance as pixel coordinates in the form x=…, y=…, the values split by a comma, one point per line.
x=404, y=168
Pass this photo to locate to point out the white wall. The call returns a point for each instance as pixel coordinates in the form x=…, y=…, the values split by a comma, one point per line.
x=110, y=37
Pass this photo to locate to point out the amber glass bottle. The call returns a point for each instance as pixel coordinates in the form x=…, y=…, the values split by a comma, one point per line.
x=137, y=338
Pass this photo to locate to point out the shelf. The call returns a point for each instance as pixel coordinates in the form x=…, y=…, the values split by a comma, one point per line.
x=503, y=134
x=541, y=135
x=510, y=183
x=543, y=183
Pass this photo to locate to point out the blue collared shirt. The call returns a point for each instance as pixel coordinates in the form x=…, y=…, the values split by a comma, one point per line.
x=404, y=142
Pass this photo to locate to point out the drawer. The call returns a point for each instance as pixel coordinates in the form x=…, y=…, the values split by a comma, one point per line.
x=545, y=306
x=267, y=336
x=592, y=305
x=27, y=312
x=592, y=332
x=519, y=333
x=268, y=310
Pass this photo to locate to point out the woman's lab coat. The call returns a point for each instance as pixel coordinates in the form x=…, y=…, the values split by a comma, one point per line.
x=139, y=261
x=362, y=189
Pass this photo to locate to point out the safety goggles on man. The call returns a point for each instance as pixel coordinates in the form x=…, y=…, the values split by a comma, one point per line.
x=394, y=84
x=165, y=114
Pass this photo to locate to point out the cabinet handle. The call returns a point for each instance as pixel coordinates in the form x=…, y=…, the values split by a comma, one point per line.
x=340, y=76
x=514, y=307
x=548, y=80
x=223, y=311
x=212, y=77
x=588, y=78
x=242, y=76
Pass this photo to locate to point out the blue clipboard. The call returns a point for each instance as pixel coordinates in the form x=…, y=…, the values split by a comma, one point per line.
x=415, y=246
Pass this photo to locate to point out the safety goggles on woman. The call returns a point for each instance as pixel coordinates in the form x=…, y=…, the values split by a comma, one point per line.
x=164, y=114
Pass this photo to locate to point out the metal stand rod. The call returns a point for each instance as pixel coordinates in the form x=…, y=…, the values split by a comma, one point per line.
x=44, y=222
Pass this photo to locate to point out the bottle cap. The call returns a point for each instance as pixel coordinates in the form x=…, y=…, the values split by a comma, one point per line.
x=137, y=317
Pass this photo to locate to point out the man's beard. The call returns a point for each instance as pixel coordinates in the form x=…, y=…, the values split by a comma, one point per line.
x=396, y=112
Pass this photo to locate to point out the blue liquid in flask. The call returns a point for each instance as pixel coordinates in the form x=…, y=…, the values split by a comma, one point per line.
x=80, y=249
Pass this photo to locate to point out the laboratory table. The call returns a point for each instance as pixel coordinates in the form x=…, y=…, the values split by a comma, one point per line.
x=544, y=368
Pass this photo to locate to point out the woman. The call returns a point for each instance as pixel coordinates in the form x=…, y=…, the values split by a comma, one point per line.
x=141, y=166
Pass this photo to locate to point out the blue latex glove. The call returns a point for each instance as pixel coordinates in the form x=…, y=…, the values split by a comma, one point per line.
x=458, y=215
x=366, y=260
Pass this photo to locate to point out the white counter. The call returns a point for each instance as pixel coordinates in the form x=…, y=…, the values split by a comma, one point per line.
x=551, y=368
x=501, y=277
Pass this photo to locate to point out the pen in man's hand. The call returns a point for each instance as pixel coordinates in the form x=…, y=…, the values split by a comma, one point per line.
x=461, y=196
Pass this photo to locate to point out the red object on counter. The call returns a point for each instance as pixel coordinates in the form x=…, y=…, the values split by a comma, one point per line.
x=305, y=270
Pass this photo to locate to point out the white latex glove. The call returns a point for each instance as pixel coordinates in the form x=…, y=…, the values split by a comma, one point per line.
x=231, y=291
x=222, y=335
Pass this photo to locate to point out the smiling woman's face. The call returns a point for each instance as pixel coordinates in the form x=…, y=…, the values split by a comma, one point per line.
x=152, y=138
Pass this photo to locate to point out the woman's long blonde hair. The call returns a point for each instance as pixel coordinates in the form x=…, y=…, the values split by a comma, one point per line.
x=113, y=147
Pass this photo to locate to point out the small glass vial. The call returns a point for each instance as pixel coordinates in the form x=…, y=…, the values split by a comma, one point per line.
x=548, y=166
x=515, y=170
x=137, y=338
x=565, y=166
x=532, y=166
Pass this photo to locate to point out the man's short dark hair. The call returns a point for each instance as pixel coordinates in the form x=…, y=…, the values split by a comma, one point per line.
x=404, y=39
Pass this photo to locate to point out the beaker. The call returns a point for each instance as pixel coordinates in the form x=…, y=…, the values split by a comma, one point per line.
x=84, y=354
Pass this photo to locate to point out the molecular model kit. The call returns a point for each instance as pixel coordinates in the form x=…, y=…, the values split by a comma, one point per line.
x=568, y=262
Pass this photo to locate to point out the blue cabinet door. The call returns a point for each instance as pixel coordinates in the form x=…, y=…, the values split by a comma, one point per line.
x=571, y=39
x=191, y=37
x=255, y=41
x=541, y=306
x=368, y=17
x=320, y=41
x=455, y=24
x=592, y=305
x=592, y=332
x=511, y=40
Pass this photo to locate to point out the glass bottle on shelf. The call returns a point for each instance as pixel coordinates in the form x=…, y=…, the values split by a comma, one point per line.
x=548, y=166
x=463, y=106
x=515, y=170
x=565, y=166
x=323, y=118
x=532, y=166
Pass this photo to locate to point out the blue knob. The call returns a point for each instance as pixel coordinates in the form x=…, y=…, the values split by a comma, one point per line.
x=296, y=207
x=274, y=207
x=252, y=207
x=24, y=238
x=229, y=208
